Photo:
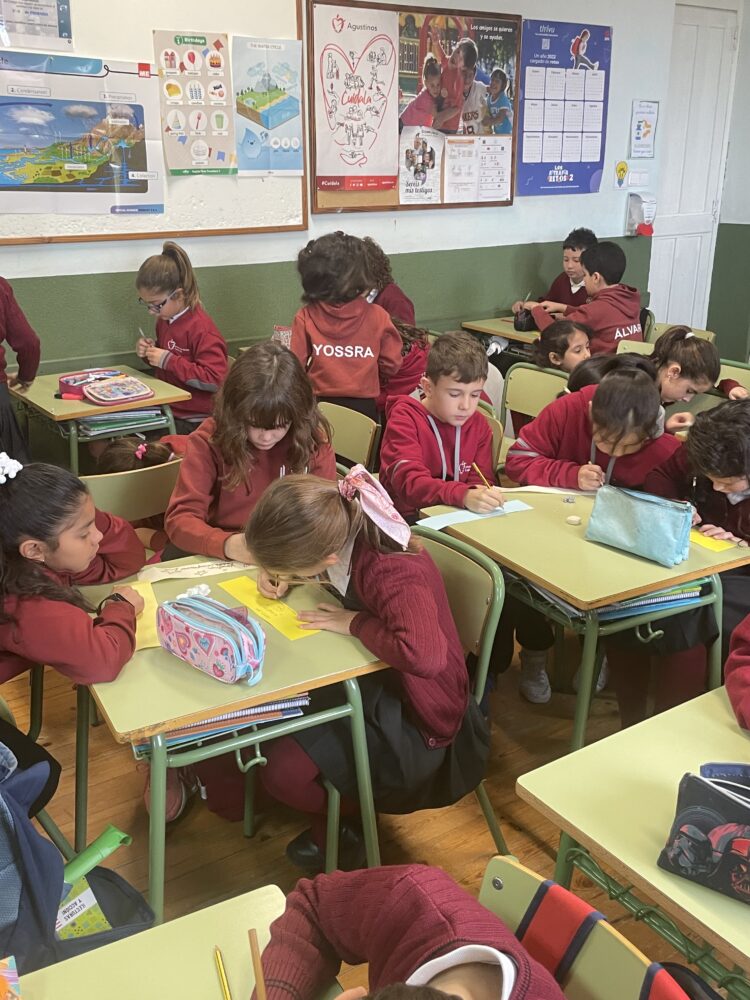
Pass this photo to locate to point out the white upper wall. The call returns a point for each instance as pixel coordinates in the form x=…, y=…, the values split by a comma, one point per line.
x=642, y=36
x=735, y=203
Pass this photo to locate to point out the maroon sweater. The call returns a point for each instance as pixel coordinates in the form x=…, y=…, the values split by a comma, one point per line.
x=14, y=327
x=614, y=315
x=396, y=919
x=560, y=291
x=406, y=621
x=196, y=360
x=396, y=304
x=737, y=672
x=66, y=637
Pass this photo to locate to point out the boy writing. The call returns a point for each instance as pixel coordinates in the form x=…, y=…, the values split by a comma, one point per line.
x=613, y=310
x=430, y=446
x=568, y=288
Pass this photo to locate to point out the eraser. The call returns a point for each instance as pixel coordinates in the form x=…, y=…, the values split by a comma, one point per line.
x=573, y=519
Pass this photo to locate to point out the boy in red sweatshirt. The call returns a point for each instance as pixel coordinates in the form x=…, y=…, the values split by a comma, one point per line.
x=613, y=311
x=568, y=288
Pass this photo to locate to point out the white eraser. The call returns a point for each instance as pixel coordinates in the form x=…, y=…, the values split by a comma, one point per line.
x=573, y=519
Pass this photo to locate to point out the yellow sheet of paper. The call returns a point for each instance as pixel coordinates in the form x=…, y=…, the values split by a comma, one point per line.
x=145, y=626
x=276, y=613
x=714, y=544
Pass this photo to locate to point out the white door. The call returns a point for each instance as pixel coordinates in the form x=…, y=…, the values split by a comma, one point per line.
x=691, y=173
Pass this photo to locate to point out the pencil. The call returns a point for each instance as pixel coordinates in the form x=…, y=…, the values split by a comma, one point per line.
x=222, y=974
x=260, y=983
x=479, y=472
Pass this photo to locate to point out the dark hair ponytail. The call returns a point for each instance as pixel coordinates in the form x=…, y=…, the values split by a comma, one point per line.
x=698, y=358
x=38, y=503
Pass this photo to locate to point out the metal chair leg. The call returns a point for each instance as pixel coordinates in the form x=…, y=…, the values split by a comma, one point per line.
x=332, y=826
x=491, y=819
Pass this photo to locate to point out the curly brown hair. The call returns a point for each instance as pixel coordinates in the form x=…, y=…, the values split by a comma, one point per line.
x=334, y=268
x=267, y=387
x=410, y=335
x=378, y=264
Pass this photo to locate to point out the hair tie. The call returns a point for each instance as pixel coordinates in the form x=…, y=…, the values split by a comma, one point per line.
x=689, y=334
x=9, y=467
x=376, y=503
x=141, y=450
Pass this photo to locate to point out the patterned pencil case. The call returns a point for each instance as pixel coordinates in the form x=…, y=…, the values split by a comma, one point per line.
x=225, y=643
x=103, y=386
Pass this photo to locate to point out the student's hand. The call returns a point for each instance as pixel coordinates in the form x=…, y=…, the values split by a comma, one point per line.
x=517, y=306
x=530, y=304
x=132, y=597
x=329, y=617
x=739, y=392
x=552, y=307
x=481, y=500
x=142, y=345
x=235, y=548
x=696, y=519
x=155, y=355
x=14, y=382
x=679, y=422
x=714, y=531
x=590, y=477
x=270, y=586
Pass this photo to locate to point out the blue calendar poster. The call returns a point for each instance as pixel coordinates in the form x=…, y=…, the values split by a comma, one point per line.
x=564, y=80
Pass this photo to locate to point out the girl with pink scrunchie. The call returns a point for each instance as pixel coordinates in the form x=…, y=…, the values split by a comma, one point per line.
x=427, y=740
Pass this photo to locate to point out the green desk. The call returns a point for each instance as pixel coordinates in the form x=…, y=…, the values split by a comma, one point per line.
x=170, y=961
x=156, y=692
x=539, y=546
x=617, y=798
x=500, y=326
x=63, y=413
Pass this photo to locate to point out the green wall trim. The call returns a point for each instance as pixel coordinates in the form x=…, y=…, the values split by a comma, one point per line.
x=93, y=319
x=729, y=304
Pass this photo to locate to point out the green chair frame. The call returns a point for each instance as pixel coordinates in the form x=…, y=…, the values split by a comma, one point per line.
x=660, y=328
x=528, y=389
x=355, y=435
x=465, y=571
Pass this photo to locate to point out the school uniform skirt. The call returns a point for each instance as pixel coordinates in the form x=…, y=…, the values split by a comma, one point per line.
x=12, y=441
x=406, y=774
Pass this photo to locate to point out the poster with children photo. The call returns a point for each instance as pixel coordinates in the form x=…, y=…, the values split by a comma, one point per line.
x=420, y=158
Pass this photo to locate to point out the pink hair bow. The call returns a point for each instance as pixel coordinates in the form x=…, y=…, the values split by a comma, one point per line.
x=140, y=451
x=376, y=503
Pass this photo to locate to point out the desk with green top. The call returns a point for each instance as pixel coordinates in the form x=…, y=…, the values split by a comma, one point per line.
x=539, y=546
x=617, y=799
x=63, y=413
x=157, y=692
x=501, y=326
x=173, y=960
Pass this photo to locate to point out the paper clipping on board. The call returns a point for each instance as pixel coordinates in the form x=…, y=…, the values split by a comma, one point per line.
x=36, y=24
x=420, y=158
x=477, y=168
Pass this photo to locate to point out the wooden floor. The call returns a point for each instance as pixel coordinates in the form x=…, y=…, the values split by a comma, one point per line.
x=208, y=859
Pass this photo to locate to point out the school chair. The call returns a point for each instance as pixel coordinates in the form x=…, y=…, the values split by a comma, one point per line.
x=497, y=433
x=528, y=389
x=586, y=955
x=355, y=436
x=736, y=370
x=635, y=347
x=476, y=591
x=647, y=323
x=137, y=494
x=659, y=329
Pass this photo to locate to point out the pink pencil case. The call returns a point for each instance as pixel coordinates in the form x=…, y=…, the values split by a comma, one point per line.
x=225, y=643
x=103, y=386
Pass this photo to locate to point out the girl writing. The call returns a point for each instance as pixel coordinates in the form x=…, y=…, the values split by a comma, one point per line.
x=188, y=350
x=423, y=108
x=266, y=425
x=426, y=738
x=51, y=540
x=348, y=347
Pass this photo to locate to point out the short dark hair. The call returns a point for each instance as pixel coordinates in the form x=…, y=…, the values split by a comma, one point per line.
x=334, y=268
x=626, y=402
x=555, y=339
x=470, y=52
x=593, y=369
x=457, y=355
x=718, y=444
x=580, y=239
x=606, y=259
x=697, y=357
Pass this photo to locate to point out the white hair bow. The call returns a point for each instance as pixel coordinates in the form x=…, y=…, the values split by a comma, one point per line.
x=9, y=467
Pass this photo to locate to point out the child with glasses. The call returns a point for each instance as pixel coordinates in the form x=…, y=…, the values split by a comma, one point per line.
x=188, y=350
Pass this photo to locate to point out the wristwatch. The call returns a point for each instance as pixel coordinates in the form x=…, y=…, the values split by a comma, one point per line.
x=111, y=597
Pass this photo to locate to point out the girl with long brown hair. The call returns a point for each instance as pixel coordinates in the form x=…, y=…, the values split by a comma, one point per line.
x=266, y=424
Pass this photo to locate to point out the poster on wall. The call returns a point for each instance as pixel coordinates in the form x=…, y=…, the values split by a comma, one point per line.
x=419, y=170
x=267, y=75
x=565, y=70
x=79, y=136
x=36, y=24
x=195, y=96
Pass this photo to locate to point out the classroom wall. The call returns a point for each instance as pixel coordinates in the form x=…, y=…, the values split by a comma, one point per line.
x=456, y=263
x=728, y=311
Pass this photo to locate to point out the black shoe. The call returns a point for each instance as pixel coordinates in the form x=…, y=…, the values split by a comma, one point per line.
x=305, y=853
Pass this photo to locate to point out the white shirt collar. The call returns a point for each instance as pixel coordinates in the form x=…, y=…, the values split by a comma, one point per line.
x=173, y=318
x=464, y=956
x=577, y=287
x=340, y=572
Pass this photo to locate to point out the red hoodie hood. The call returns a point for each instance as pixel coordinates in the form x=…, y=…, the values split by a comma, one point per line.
x=338, y=322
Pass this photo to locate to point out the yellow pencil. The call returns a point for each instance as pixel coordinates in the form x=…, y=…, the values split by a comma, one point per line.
x=222, y=974
x=479, y=472
x=260, y=983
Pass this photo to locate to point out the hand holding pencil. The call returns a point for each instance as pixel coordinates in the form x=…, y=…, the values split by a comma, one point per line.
x=483, y=499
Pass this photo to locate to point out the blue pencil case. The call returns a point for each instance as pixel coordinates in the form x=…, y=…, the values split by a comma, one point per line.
x=641, y=524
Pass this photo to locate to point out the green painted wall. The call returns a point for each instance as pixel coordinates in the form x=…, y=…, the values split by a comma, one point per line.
x=93, y=319
x=729, y=303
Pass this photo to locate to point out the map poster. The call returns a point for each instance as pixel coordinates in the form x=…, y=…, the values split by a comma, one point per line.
x=36, y=24
x=78, y=135
x=355, y=68
x=420, y=163
x=565, y=70
x=267, y=75
x=195, y=94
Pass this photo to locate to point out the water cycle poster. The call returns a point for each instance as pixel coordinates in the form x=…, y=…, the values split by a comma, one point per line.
x=195, y=95
x=355, y=70
x=78, y=136
x=267, y=75
x=565, y=69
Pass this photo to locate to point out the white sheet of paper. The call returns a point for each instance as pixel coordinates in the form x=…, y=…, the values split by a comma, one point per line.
x=591, y=146
x=574, y=84
x=573, y=116
x=554, y=112
x=555, y=83
x=534, y=86
x=439, y=521
x=532, y=147
x=595, y=84
x=533, y=116
x=571, y=147
x=551, y=147
x=592, y=116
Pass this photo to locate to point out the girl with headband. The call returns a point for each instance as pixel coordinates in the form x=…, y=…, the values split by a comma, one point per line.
x=426, y=738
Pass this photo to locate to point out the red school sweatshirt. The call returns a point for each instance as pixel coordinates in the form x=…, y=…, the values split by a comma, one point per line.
x=613, y=315
x=418, y=456
x=197, y=360
x=349, y=349
x=65, y=637
x=553, y=447
x=562, y=291
x=203, y=512
x=737, y=672
x=15, y=328
x=396, y=303
x=409, y=375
